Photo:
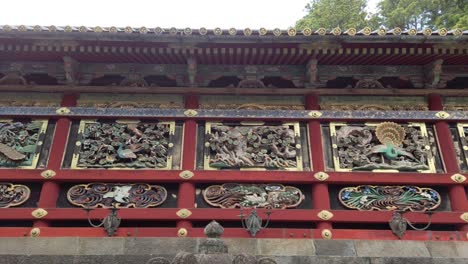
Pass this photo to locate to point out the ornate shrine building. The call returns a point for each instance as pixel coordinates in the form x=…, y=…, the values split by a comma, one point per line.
x=302, y=145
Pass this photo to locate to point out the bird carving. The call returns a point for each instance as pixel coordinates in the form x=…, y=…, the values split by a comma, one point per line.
x=125, y=153
x=390, y=135
x=11, y=153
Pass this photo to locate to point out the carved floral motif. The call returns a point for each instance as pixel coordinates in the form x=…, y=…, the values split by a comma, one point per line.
x=106, y=195
x=13, y=194
x=400, y=198
x=253, y=147
x=20, y=143
x=124, y=145
x=235, y=195
x=384, y=146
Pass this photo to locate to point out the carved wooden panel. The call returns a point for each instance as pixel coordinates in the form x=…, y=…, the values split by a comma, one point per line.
x=381, y=198
x=162, y=101
x=252, y=102
x=13, y=194
x=373, y=103
x=108, y=195
x=21, y=143
x=253, y=146
x=385, y=146
x=30, y=99
x=234, y=195
x=125, y=144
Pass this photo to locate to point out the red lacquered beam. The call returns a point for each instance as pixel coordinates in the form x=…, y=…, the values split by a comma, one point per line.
x=51, y=189
x=14, y=231
x=290, y=233
x=208, y=214
x=186, y=194
x=457, y=194
x=291, y=177
x=319, y=191
x=21, y=175
x=100, y=232
x=354, y=216
x=388, y=235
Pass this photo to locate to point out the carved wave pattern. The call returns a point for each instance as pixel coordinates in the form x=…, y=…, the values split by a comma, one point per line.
x=253, y=146
x=381, y=198
x=108, y=195
x=119, y=145
x=13, y=194
x=234, y=195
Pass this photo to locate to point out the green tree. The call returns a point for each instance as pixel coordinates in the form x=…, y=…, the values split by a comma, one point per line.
x=423, y=13
x=334, y=13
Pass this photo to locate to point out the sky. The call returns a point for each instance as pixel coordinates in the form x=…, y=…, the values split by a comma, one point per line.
x=156, y=13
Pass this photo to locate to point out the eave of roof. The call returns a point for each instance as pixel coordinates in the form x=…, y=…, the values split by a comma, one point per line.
x=247, y=34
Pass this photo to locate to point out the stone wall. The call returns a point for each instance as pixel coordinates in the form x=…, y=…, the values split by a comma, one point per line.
x=285, y=251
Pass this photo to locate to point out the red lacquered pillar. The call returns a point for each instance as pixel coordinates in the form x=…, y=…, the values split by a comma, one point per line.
x=186, y=196
x=457, y=193
x=50, y=188
x=320, y=196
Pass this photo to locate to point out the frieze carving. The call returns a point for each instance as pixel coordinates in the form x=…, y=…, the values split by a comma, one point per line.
x=373, y=107
x=373, y=103
x=252, y=146
x=162, y=101
x=252, y=102
x=109, y=195
x=380, y=198
x=252, y=106
x=368, y=83
x=124, y=144
x=384, y=146
x=234, y=195
x=13, y=194
x=21, y=143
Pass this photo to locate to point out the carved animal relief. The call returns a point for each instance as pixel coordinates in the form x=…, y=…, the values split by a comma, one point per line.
x=124, y=145
x=13, y=194
x=108, y=195
x=386, y=146
x=253, y=146
x=234, y=195
x=380, y=198
x=21, y=143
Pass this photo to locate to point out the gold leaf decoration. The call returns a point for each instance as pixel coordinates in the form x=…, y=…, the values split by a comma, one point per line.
x=389, y=132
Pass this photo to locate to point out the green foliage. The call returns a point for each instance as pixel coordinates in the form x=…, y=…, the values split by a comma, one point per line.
x=423, y=13
x=334, y=13
x=405, y=14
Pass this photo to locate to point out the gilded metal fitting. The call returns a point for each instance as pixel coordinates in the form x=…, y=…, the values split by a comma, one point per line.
x=39, y=213
x=326, y=234
x=458, y=178
x=35, y=232
x=182, y=232
x=190, y=112
x=315, y=114
x=442, y=115
x=325, y=215
x=63, y=111
x=184, y=213
x=47, y=174
x=321, y=176
x=186, y=174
